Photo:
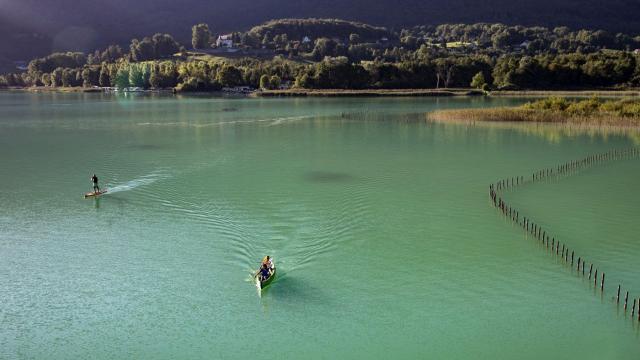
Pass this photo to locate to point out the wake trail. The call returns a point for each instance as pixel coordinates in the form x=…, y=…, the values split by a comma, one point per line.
x=139, y=182
x=271, y=121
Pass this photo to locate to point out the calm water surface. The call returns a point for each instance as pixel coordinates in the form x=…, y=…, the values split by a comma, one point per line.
x=379, y=222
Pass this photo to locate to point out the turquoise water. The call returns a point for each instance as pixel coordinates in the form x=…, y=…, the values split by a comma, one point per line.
x=379, y=222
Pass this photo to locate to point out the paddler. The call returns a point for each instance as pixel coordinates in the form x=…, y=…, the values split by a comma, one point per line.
x=265, y=272
x=94, y=180
x=268, y=262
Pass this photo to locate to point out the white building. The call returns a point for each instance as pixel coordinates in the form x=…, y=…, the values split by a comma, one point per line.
x=225, y=41
x=306, y=40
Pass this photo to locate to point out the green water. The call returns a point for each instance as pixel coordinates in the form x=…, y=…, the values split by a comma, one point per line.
x=379, y=222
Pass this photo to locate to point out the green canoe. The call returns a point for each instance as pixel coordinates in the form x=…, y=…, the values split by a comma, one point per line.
x=264, y=283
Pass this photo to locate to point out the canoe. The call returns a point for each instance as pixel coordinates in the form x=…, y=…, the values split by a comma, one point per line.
x=267, y=281
x=264, y=283
x=94, y=194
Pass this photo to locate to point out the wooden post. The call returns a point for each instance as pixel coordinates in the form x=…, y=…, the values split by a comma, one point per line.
x=618, y=296
x=595, y=278
x=633, y=309
x=590, y=268
x=626, y=300
x=572, y=259
x=602, y=283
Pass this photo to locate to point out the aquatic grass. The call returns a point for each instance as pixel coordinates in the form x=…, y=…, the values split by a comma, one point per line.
x=592, y=111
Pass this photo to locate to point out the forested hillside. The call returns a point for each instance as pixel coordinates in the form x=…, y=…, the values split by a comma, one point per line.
x=38, y=27
x=339, y=54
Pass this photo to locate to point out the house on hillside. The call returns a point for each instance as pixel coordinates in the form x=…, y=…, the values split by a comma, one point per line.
x=225, y=41
x=636, y=51
x=306, y=40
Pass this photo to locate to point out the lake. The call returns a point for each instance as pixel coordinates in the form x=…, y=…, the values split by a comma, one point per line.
x=380, y=224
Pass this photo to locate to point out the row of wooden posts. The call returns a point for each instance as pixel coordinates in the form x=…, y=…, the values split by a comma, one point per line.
x=541, y=235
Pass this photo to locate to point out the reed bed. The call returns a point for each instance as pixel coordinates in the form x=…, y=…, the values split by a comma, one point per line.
x=567, y=93
x=625, y=112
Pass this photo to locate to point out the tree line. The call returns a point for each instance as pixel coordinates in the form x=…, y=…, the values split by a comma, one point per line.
x=420, y=57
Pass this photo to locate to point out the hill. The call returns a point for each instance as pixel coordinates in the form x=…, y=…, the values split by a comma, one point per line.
x=38, y=27
x=315, y=28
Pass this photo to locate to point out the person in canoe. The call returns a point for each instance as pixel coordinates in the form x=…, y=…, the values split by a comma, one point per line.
x=267, y=261
x=265, y=272
x=94, y=181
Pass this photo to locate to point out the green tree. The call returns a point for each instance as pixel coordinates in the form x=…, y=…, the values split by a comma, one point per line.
x=164, y=46
x=111, y=53
x=155, y=78
x=304, y=81
x=90, y=76
x=46, y=79
x=56, y=77
x=200, y=36
x=275, y=81
x=324, y=47
x=136, y=78
x=122, y=78
x=142, y=50
x=104, y=80
x=66, y=78
x=51, y=62
x=265, y=83
x=478, y=80
x=229, y=76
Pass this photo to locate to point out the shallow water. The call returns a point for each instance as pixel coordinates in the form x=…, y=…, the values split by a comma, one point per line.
x=379, y=222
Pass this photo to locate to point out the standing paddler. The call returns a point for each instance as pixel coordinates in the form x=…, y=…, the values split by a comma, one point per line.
x=94, y=180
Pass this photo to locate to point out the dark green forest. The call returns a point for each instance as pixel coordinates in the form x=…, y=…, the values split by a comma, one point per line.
x=338, y=54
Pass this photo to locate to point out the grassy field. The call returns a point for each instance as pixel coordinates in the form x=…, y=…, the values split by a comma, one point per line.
x=593, y=111
x=458, y=44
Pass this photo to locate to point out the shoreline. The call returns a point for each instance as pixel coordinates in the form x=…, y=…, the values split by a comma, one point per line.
x=369, y=92
x=445, y=92
x=62, y=89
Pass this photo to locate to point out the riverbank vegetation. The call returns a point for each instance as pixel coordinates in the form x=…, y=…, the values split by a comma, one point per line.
x=337, y=54
x=368, y=92
x=625, y=112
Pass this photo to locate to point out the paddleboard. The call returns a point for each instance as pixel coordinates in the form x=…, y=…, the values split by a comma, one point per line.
x=94, y=194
